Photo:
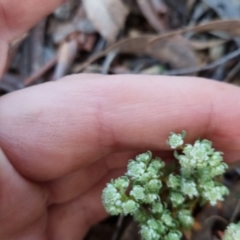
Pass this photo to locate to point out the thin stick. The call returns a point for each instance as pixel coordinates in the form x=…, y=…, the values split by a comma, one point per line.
x=108, y=61
x=232, y=73
x=66, y=55
x=236, y=211
x=36, y=44
x=204, y=67
x=151, y=15
x=35, y=76
x=118, y=227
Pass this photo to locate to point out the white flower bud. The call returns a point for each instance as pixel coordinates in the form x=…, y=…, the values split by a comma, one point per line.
x=167, y=219
x=175, y=140
x=130, y=207
x=155, y=166
x=153, y=185
x=138, y=192
x=185, y=218
x=232, y=232
x=204, y=174
x=112, y=200
x=121, y=183
x=153, y=223
x=157, y=207
x=218, y=169
x=186, y=162
x=215, y=194
x=189, y=188
x=173, y=235
x=113, y=210
x=110, y=193
x=176, y=198
x=173, y=181
x=156, y=225
x=207, y=185
x=146, y=177
x=135, y=169
x=188, y=149
x=150, y=198
x=215, y=159
x=200, y=154
x=144, y=157
x=148, y=233
x=208, y=146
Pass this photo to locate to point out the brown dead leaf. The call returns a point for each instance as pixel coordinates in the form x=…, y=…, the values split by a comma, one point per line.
x=175, y=50
x=147, y=44
x=107, y=16
x=232, y=27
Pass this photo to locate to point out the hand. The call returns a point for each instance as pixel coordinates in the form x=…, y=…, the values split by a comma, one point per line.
x=62, y=141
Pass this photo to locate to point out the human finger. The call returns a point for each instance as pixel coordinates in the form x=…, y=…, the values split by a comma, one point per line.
x=53, y=129
x=72, y=185
x=16, y=17
x=71, y=220
x=22, y=205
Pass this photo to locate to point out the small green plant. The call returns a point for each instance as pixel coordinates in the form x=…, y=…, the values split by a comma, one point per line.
x=161, y=198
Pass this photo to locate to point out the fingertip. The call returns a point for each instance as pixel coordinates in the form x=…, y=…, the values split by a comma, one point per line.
x=16, y=17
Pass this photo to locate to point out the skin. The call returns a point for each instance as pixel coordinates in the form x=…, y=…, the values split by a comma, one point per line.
x=62, y=141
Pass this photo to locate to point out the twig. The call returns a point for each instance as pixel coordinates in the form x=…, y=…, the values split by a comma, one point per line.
x=25, y=63
x=108, y=61
x=36, y=44
x=236, y=211
x=232, y=73
x=35, y=76
x=204, y=67
x=13, y=48
x=67, y=54
x=221, y=25
x=159, y=6
x=118, y=227
x=151, y=15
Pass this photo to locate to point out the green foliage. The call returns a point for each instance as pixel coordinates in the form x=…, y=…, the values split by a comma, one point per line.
x=162, y=203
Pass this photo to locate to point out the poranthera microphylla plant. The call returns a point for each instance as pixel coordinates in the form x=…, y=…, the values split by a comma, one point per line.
x=232, y=232
x=162, y=202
